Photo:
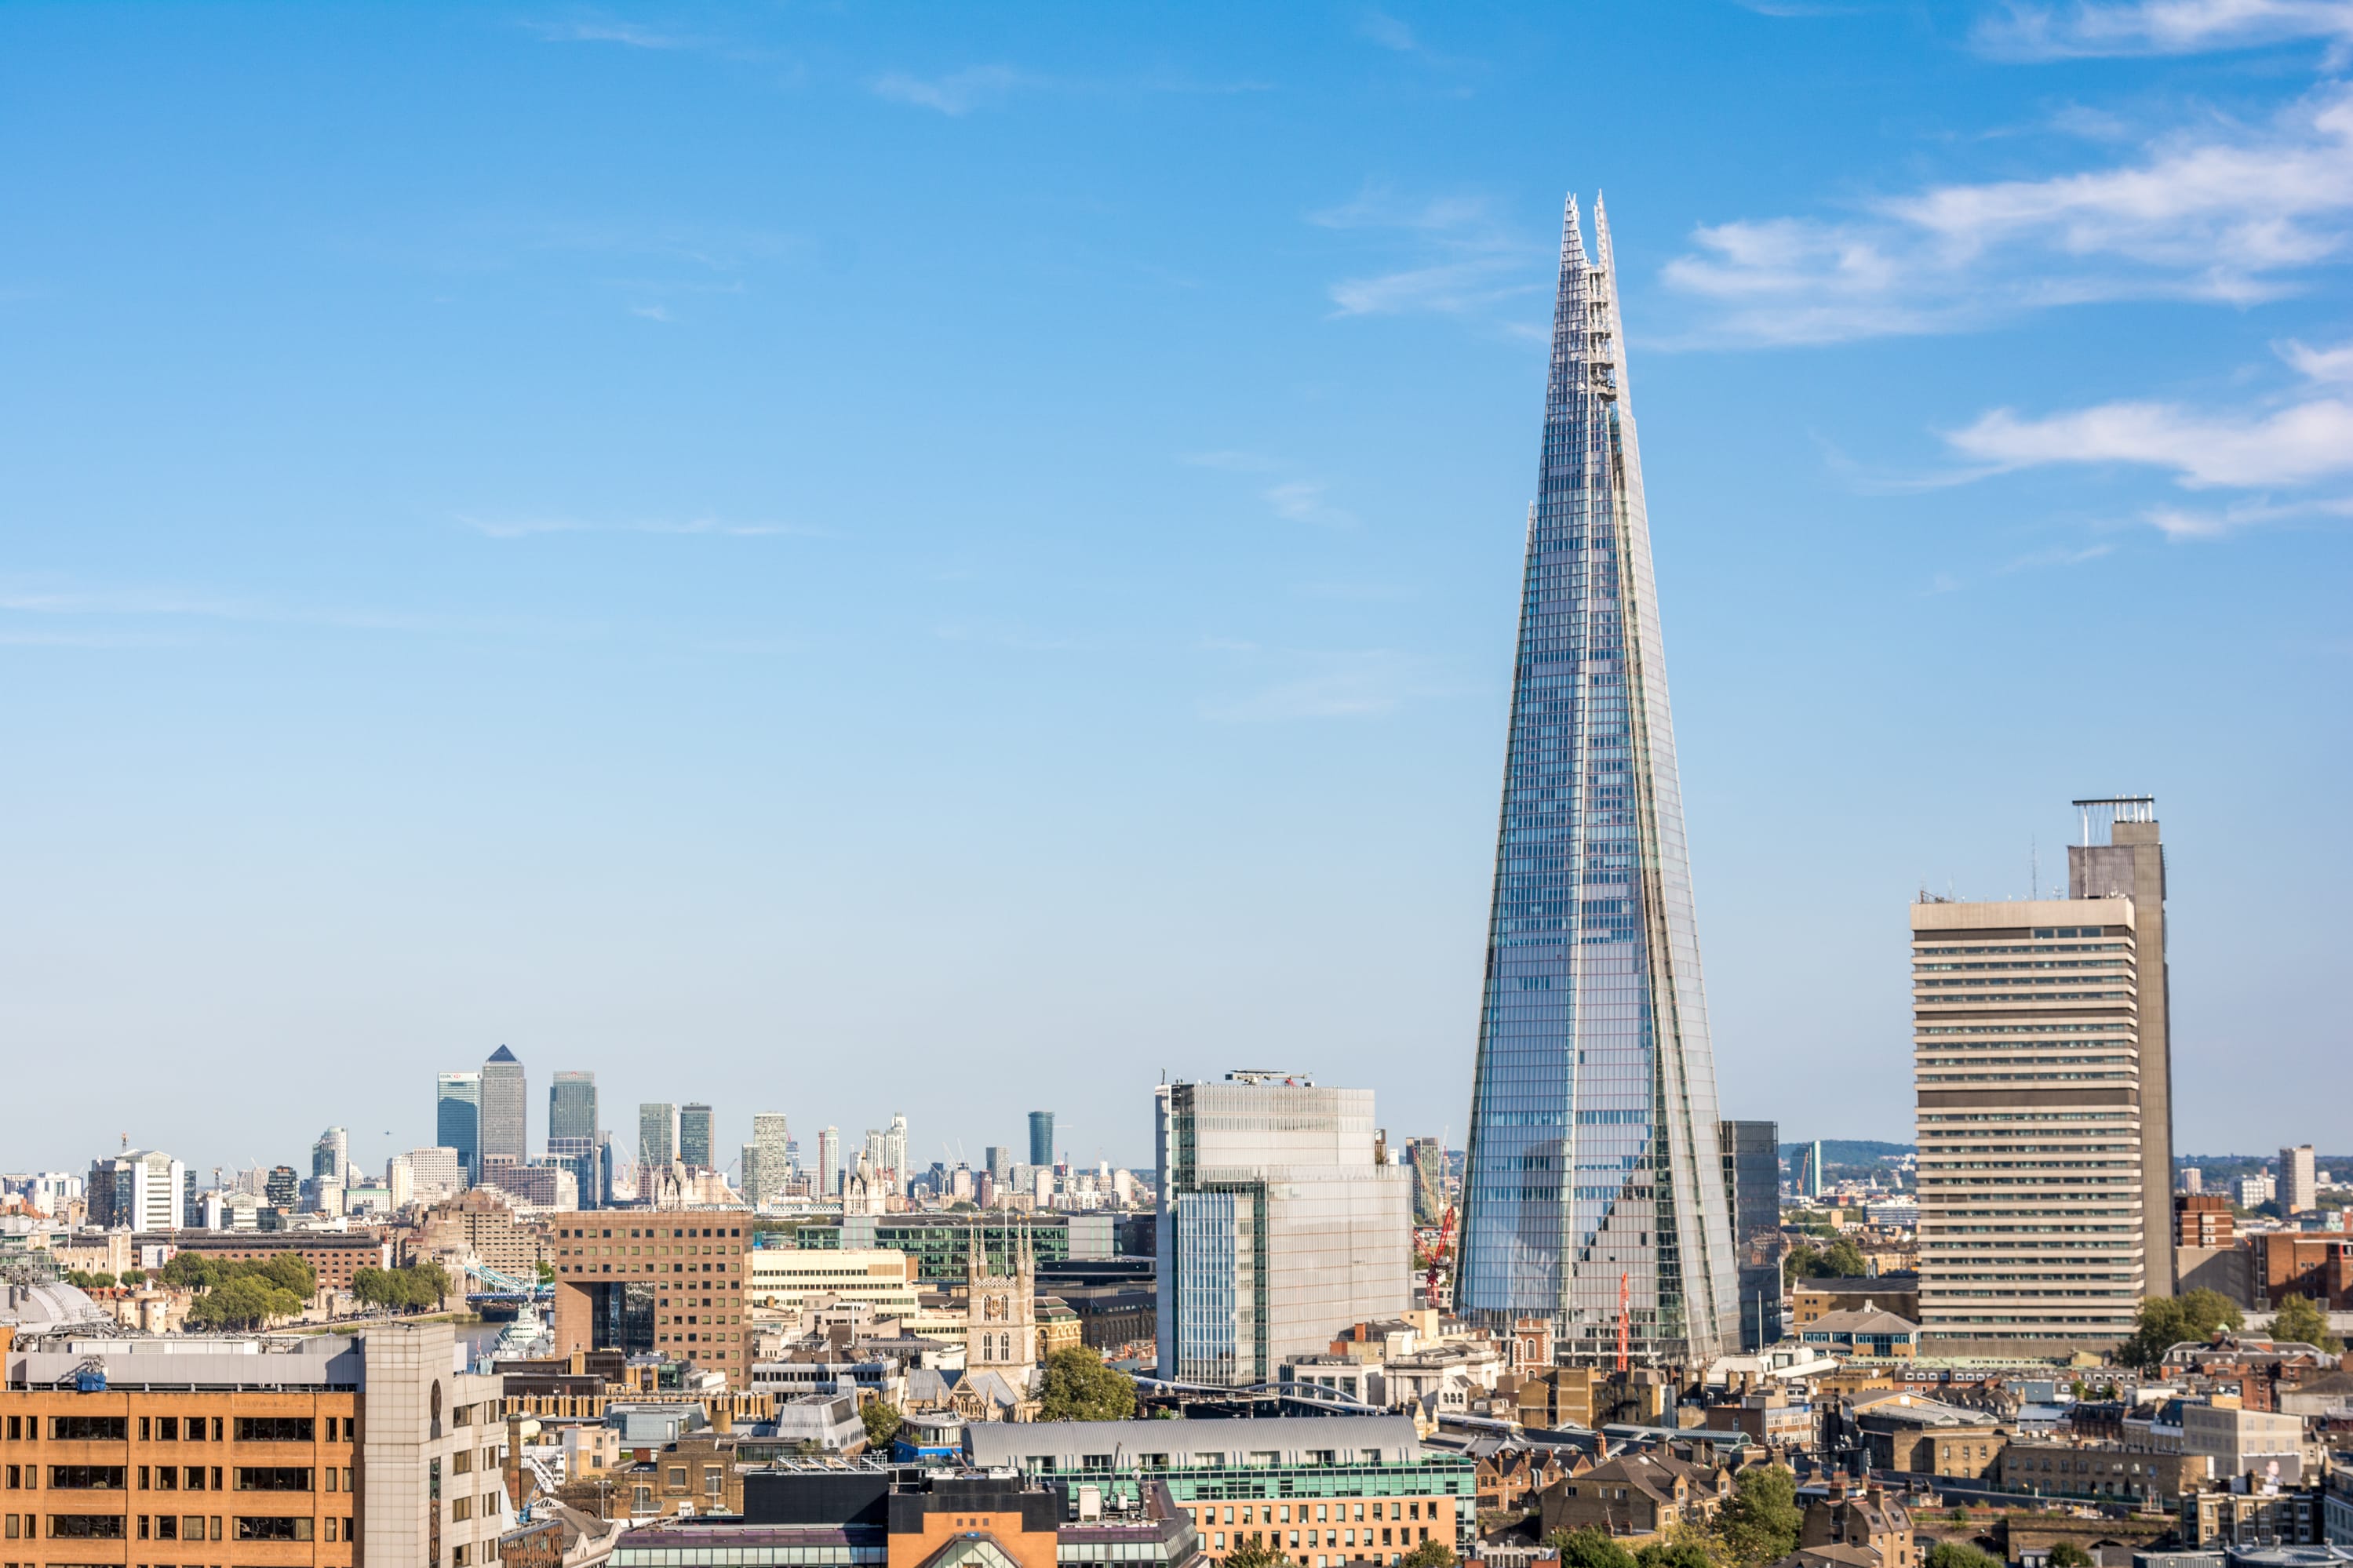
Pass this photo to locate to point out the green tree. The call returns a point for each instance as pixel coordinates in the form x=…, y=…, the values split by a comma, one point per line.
x=1588, y=1548
x=1430, y=1553
x=2300, y=1321
x=246, y=1301
x=1758, y=1523
x=546, y=1272
x=2067, y=1554
x=1079, y=1387
x=1250, y=1554
x=1803, y=1262
x=1959, y=1554
x=882, y=1422
x=193, y=1270
x=1683, y=1553
x=2167, y=1321
x=289, y=1272
x=134, y=1277
x=1843, y=1259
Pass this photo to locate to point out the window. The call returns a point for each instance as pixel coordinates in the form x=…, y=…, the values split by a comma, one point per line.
x=273, y=1479
x=273, y=1430
x=167, y=1428
x=89, y=1428
x=461, y=1508
x=86, y=1526
x=251, y=1527
x=86, y=1478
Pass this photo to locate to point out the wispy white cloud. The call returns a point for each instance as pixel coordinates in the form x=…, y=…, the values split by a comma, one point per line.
x=1793, y=10
x=597, y=30
x=513, y=527
x=2098, y=27
x=2303, y=441
x=1297, y=499
x=2326, y=365
x=1377, y=27
x=2294, y=446
x=2060, y=555
x=2229, y=214
x=1296, y=684
x=1459, y=258
x=957, y=93
x=651, y=312
x=1302, y=500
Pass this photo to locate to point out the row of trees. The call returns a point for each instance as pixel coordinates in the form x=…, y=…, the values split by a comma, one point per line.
x=1842, y=1259
x=86, y=1279
x=411, y=1287
x=242, y=1292
x=2196, y=1315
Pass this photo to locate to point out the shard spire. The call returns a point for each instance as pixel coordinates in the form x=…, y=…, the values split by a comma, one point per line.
x=1593, y=1176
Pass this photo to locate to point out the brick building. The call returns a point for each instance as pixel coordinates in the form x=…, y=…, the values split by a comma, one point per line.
x=335, y=1255
x=670, y=1281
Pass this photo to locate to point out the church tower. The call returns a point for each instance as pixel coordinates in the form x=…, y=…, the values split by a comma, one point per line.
x=1001, y=1309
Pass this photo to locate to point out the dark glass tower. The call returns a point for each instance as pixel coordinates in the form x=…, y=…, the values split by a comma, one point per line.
x=1594, y=1174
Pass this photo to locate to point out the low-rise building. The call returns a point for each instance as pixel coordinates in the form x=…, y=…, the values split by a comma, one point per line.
x=1868, y=1331
x=1635, y=1494
x=789, y=1278
x=1324, y=1488
x=2243, y=1442
x=1927, y=1437
x=336, y=1256
x=1811, y=1299
x=2216, y=1515
x=2056, y=1468
x=1859, y=1518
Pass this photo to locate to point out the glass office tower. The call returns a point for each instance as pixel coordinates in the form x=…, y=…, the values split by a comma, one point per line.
x=458, y=1119
x=1594, y=1174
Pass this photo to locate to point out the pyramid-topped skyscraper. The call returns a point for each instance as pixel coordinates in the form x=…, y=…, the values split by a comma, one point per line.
x=1594, y=1195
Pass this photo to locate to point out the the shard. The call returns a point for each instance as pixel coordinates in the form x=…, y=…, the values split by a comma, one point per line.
x=1594, y=1197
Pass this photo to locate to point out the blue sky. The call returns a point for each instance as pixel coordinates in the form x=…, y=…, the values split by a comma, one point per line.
x=943, y=560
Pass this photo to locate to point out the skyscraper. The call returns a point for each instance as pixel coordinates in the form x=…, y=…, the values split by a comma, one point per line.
x=1280, y=1223
x=331, y=1156
x=2299, y=1187
x=2131, y=865
x=657, y=1135
x=1752, y=1179
x=766, y=1160
x=1041, y=1137
x=1593, y=1173
x=458, y=1119
x=2031, y=1055
x=829, y=1162
x=894, y=1152
x=694, y=1137
x=506, y=1109
x=571, y=1106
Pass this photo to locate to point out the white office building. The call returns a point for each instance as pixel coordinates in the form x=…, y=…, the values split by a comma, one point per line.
x=1282, y=1221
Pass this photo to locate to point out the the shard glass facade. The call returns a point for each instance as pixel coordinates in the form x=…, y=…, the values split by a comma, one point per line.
x=1595, y=1189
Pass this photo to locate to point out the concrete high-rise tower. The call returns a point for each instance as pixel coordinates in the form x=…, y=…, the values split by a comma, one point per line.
x=2131, y=865
x=1594, y=1177
x=506, y=1109
x=2045, y=1121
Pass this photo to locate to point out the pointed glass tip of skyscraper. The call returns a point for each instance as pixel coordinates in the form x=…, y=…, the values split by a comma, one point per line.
x=1594, y=1195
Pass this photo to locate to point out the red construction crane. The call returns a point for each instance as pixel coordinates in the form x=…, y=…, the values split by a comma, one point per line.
x=1438, y=1252
x=1625, y=1324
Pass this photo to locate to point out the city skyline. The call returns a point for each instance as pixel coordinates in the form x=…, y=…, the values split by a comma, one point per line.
x=655, y=700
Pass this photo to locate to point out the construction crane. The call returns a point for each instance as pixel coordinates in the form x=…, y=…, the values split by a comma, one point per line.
x=1625, y=1324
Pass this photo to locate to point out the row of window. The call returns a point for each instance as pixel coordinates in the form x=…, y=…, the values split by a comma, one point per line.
x=175, y=1478
x=1315, y=1538
x=179, y=1429
x=1325, y=1513
x=170, y=1527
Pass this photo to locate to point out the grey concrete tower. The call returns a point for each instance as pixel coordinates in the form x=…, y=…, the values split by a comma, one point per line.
x=2131, y=864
